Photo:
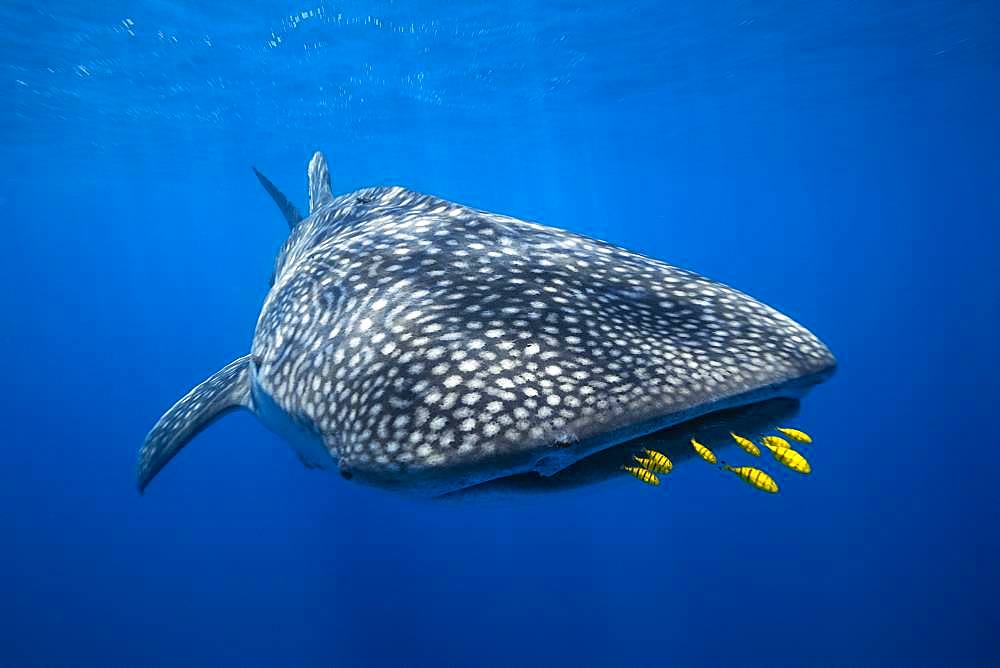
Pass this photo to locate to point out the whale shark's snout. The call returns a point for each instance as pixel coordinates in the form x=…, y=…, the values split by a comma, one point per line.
x=419, y=344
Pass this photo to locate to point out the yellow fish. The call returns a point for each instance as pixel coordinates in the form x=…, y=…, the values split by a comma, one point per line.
x=775, y=442
x=643, y=474
x=659, y=462
x=644, y=463
x=704, y=452
x=754, y=477
x=796, y=435
x=790, y=458
x=746, y=444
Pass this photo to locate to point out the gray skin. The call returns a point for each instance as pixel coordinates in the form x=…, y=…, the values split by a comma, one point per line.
x=417, y=344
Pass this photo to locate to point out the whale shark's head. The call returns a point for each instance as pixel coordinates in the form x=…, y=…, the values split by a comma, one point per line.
x=428, y=345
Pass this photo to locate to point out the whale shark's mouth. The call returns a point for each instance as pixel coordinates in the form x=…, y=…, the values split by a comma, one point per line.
x=752, y=414
x=675, y=442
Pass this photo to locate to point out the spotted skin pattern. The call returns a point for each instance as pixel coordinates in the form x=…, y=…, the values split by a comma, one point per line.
x=430, y=345
x=417, y=336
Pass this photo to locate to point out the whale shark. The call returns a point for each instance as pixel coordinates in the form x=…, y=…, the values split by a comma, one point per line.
x=420, y=345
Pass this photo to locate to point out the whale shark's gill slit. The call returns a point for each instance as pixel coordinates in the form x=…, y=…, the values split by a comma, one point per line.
x=227, y=389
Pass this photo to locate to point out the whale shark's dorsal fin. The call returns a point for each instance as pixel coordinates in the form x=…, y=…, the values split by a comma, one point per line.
x=320, y=191
x=288, y=209
x=227, y=389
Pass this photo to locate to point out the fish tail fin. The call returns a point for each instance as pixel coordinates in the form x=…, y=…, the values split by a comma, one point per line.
x=226, y=390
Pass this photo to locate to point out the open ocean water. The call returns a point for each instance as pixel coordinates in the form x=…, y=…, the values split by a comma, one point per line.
x=836, y=160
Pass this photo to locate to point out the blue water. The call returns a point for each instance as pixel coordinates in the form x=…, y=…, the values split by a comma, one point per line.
x=838, y=160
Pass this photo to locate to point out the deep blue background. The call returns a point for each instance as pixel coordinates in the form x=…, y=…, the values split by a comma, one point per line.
x=836, y=160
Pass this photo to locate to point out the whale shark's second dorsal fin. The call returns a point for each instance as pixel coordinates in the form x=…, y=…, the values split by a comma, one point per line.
x=288, y=209
x=320, y=191
x=227, y=389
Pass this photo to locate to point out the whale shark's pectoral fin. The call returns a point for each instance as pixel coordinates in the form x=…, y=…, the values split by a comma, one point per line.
x=288, y=209
x=227, y=389
x=320, y=191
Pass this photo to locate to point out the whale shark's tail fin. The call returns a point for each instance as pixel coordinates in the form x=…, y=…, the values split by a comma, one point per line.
x=288, y=209
x=227, y=389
